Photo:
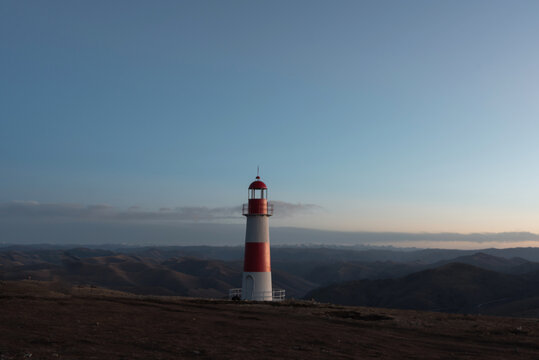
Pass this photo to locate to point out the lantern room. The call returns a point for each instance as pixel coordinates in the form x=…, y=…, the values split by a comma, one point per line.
x=258, y=200
x=258, y=190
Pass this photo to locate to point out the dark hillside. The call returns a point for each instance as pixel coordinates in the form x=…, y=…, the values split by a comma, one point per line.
x=155, y=271
x=455, y=287
x=187, y=276
x=489, y=262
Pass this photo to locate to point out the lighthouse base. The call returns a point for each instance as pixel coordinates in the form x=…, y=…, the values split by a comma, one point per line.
x=278, y=294
x=256, y=286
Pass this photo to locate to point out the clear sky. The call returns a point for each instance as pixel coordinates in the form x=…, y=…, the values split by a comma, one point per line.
x=383, y=115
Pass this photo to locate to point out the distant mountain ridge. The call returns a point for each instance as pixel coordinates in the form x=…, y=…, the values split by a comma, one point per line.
x=486, y=261
x=424, y=279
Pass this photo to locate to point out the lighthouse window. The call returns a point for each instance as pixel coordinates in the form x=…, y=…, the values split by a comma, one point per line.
x=258, y=193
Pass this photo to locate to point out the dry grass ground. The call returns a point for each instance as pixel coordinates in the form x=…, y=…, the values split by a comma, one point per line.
x=52, y=321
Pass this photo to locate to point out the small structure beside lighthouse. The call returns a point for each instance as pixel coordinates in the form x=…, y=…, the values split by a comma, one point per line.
x=256, y=280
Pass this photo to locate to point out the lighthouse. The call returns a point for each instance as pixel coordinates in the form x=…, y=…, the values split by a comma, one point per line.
x=256, y=280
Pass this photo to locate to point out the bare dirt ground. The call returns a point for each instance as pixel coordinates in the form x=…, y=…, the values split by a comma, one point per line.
x=51, y=321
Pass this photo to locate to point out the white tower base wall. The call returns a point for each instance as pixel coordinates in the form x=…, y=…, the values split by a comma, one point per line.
x=257, y=286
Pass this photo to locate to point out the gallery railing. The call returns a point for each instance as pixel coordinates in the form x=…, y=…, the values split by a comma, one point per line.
x=276, y=295
x=268, y=210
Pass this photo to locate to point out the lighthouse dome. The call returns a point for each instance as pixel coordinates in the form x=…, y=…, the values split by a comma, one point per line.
x=257, y=184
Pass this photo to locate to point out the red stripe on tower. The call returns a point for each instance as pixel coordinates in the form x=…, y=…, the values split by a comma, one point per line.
x=257, y=257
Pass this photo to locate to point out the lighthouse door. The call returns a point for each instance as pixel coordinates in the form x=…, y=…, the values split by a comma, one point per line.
x=249, y=286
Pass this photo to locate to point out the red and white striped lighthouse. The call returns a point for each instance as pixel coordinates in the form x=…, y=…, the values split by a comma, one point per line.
x=256, y=282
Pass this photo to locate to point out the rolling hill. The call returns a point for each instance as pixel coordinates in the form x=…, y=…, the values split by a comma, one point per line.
x=454, y=287
x=185, y=276
x=471, y=283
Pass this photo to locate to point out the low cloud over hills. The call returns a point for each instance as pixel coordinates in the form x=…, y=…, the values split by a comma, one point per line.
x=30, y=222
x=33, y=211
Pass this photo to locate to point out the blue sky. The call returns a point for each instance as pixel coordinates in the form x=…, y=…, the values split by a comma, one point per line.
x=386, y=115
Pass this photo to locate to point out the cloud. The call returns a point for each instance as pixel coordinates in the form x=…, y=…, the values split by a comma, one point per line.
x=34, y=210
x=284, y=209
x=33, y=222
x=65, y=212
x=185, y=213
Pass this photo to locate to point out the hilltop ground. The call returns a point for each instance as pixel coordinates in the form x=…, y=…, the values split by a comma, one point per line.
x=41, y=320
